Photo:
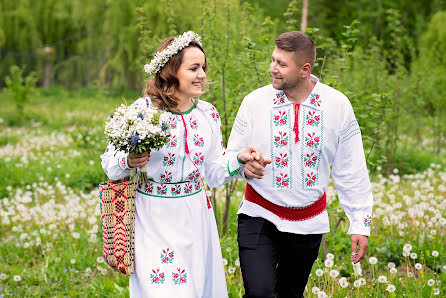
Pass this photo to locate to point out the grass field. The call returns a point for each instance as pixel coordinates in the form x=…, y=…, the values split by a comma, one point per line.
x=50, y=242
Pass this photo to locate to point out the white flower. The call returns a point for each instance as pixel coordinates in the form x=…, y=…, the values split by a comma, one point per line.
x=73, y=261
x=373, y=260
x=17, y=277
x=362, y=280
x=391, y=265
x=393, y=270
x=390, y=288
x=75, y=235
x=328, y=263
x=407, y=247
x=334, y=273
x=357, y=283
x=435, y=253
x=382, y=279
x=343, y=284
x=436, y=291
x=237, y=262
x=413, y=256
x=100, y=259
x=231, y=270
x=225, y=262
x=176, y=46
x=2, y=276
x=431, y=282
x=319, y=272
x=406, y=253
x=321, y=294
x=418, y=266
x=315, y=290
x=330, y=256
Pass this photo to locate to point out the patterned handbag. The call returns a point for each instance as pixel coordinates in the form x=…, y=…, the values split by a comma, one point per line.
x=117, y=203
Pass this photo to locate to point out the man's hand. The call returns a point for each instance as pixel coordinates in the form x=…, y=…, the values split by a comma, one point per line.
x=255, y=162
x=362, y=242
x=137, y=160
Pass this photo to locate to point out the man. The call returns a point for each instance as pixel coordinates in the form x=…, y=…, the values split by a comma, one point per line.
x=308, y=129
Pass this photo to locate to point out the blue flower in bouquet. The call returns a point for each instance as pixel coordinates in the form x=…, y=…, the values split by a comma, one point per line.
x=164, y=126
x=140, y=116
x=135, y=139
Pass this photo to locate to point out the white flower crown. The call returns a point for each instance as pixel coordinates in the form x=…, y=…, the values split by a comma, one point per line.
x=177, y=45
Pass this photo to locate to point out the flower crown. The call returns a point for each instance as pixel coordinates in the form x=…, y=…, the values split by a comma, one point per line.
x=176, y=46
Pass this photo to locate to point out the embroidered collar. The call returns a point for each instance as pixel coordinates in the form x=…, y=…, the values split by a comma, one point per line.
x=313, y=100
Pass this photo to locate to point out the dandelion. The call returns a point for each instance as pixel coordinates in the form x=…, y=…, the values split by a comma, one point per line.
x=225, y=262
x=391, y=265
x=73, y=261
x=343, y=284
x=435, y=253
x=334, y=273
x=373, y=260
x=321, y=294
x=330, y=256
x=393, y=270
x=407, y=247
x=315, y=290
x=431, y=282
x=2, y=276
x=357, y=283
x=91, y=162
x=100, y=259
x=413, y=256
x=25, y=245
x=410, y=274
x=17, y=277
x=328, y=263
x=362, y=280
x=229, y=249
x=406, y=253
x=76, y=235
x=418, y=266
x=390, y=288
x=382, y=279
x=237, y=262
x=436, y=291
x=231, y=270
x=319, y=272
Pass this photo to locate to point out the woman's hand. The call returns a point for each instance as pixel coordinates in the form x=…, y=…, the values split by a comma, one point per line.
x=255, y=162
x=137, y=160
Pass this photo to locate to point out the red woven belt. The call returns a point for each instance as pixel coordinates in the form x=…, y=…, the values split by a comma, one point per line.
x=288, y=213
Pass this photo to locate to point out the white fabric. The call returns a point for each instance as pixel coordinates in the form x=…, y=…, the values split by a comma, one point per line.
x=172, y=212
x=329, y=136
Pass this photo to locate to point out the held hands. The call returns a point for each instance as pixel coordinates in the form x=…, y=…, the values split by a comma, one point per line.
x=362, y=242
x=255, y=162
x=137, y=160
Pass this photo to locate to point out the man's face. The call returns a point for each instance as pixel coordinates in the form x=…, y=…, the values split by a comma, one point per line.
x=284, y=70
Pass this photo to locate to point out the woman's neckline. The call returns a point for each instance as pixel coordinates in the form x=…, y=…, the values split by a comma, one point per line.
x=195, y=102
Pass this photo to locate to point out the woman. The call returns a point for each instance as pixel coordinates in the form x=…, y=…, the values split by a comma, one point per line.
x=177, y=250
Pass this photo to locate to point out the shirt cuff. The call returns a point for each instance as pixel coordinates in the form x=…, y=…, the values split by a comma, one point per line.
x=123, y=163
x=234, y=166
x=361, y=224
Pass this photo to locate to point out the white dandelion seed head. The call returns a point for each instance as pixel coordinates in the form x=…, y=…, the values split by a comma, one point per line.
x=390, y=288
x=328, y=263
x=373, y=260
x=418, y=266
x=330, y=256
x=435, y=253
x=391, y=265
x=319, y=272
x=315, y=290
x=382, y=279
x=431, y=282
x=413, y=256
x=17, y=277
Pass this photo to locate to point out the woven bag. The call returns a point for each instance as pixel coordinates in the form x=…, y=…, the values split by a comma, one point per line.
x=117, y=202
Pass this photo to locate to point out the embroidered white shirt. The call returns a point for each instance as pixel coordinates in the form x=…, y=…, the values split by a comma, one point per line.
x=329, y=137
x=171, y=164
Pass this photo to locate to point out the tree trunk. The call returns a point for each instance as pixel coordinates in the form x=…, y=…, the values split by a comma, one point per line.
x=303, y=25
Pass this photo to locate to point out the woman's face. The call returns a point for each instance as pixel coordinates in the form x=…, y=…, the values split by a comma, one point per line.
x=191, y=74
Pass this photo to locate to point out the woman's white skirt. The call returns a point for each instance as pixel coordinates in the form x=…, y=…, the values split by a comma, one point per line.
x=177, y=248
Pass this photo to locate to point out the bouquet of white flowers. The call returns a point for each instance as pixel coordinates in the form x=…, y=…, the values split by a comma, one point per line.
x=137, y=128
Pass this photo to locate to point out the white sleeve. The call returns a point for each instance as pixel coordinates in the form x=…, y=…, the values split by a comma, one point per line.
x=220, y=166
x=351, y=177
x=115, y=163
x=240, y=137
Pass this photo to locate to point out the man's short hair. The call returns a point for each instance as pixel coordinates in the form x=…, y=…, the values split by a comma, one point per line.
x=299, y=43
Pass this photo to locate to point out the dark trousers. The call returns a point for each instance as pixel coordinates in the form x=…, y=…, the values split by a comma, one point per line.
x=274, y=263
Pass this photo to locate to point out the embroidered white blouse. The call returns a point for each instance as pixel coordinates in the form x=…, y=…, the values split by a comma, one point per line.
x=171, y=164
x=329, y=137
